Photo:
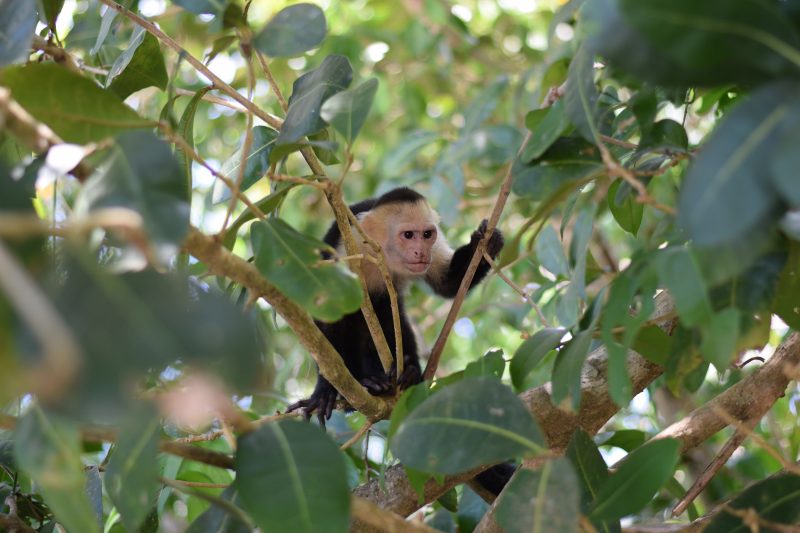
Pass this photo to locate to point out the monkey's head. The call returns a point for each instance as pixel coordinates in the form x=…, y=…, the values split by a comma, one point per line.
x=407, y=229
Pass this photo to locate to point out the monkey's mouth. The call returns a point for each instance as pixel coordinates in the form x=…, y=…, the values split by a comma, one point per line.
x=419, y=267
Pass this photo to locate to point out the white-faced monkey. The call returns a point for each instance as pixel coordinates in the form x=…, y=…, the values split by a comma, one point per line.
x=407, y=229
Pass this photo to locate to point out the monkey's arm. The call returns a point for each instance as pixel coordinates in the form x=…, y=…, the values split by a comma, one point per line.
x=447, y=279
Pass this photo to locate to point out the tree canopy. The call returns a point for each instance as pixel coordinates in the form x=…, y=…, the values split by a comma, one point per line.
x=167, y=171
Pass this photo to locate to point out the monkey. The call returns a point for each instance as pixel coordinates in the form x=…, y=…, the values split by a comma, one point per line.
x=406, y=227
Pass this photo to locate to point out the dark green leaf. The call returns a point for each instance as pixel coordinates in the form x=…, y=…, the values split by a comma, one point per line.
x=294, y=30
x=727, y=190
x=567, y=369
x=550, y=252
x=48, y=450
x=627, y=439
x=787, y=295
x=186, y=130
x=50, y=9
x=776, y=499
x=543, y=180
x=546, y=125
x=471, y=509
x=626, y=210
x=257, y=162
x=290, y=260
x=532, y=352
x=309, y=92
x=17, y=25
x=346, y=111
x=665, y=134
x=581, y=95
x=152, y=186
x=474, y=422
x=94, y=114
x=591, y=472
x=131, y=477
x=540, y=501
x=784, y=162
x=409, y=401
x=678, y=271
x=140, y=65
x=490, y=365
x=653, y=344
x=267, y=205
x=717, y=40
x=310, y=471
x=641, y=474
x=222, y=519
x=719, y=338
x=203, y=7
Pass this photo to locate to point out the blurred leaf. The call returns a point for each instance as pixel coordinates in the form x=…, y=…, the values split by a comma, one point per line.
x=94, y=491
x=639, y=476
x=267, y=205
x=256, y=165
x=203, y=7
x=550, y=252
x=591, y=472
x=48, y=12
x=346, y=111
x=719, y=338
x=186, y=130
x=399, y=156
x=653, y=344
x=42, y=89
x=309, y=92
x=222, y=519
x=678, y=271
x=532, y=352
x=566, y=379
x=409, y=400
x=665, y=134
x=290, y=260
x=140, y=65
x=581, y=94
x=48, y=450
x=17, y=25
x=545, y=125
x=727, y=189
x=309, y=468
x=151, y=186
x=787, y=294
x=102, y=33
x=471, y=509
x=717, y=40
x=481, y=108
x=627, y=439
x=474, y=422
x=131, y=477
x=776, y=499
x=569, y=163
x=540, y=501
x=294, y=30
x=623, y=205
x=491, y=365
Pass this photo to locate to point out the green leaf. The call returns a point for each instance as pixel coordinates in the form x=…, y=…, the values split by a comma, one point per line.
x=309, y=92
x=540, y=501
x=641, y=474
x=545, y=125
x=140, y=65
x=203, y=7
x=678, y=271
x=727, y=190
x=549, y=178
x=787, y=294
x=48, y=450
x=410, y=399
x=49, y=11
x=567, y=369
x=294, y=30
x=718, y=40
x=776, y=499
x=17, y=25
x=290, y=260
x=550, y=252
x=581, y=95
x=471, y=509
x=92, y=115
x=223, y=518
x=623, y=205
x=653, y=344
x=491, y=365
x=783, y=163
x=186, y=130
x=152, y=186
x=131, y=477
x=267, y=205
x=256, y=164
x=627, y=439
x=346, y=111
x=308, y=468
x=474, y=422
x=399, y=156
x=592, y=472
x=532, y=352
x=481, y=108
x=105, y=27
x=719, y=338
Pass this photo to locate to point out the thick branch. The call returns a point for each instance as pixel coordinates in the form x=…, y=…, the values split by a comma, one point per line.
x=385, y=521
x=220, y=261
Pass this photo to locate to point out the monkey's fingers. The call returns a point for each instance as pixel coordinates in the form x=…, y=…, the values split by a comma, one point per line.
x=378, y=385
x=307, y=404
x=411, y=376
x=495, y=243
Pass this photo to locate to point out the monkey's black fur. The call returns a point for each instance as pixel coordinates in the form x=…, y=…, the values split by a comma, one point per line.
x=350, y=335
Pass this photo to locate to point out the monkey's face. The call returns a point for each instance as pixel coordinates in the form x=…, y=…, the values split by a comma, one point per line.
x=410, y=248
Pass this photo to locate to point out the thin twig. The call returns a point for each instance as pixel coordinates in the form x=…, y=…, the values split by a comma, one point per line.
x=516, y=288
x=355, y=438
x=275, y=89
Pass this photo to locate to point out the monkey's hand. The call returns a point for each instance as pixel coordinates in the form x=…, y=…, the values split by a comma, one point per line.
x=411, y=376
x=495, y=243
x=322, y=400
x=378, y=385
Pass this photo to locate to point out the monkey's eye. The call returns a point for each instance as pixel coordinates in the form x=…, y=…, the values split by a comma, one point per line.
x=427, y=234
x=408, y=235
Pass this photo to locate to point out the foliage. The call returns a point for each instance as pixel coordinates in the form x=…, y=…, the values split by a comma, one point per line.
x=163, y=189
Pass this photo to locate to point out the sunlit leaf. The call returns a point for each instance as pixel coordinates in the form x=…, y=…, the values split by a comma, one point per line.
x=346, y=111
x=473, y=422
x=291, y=261
x=541, y=501
x=294, y=30
x=639, y=476
x=309, y=469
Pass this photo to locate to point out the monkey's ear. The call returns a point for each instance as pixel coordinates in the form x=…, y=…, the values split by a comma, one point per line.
x=375, y=224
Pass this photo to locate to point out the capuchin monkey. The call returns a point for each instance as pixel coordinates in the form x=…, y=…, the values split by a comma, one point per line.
x=407, y=229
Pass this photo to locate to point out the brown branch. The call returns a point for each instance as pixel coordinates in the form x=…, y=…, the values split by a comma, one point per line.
x=221, y=262
x=360, y=433
x=385, y=521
